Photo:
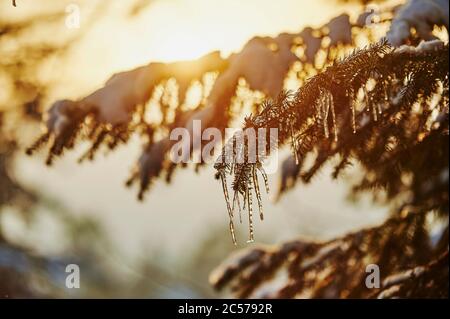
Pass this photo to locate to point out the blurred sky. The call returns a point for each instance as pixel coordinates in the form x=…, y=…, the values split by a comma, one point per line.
x=174, y=218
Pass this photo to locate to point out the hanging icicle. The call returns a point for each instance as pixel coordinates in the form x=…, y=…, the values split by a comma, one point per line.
x=238, y=202
x=257, y=192
x=294, y=144
x=353, y=111
x=333, y=115
x=380, y=109
x=325, y=108
x=375, y=112
x=386, y=96
x=264, y=176
x=248, y=194
x=227, y=200
x=366, y=98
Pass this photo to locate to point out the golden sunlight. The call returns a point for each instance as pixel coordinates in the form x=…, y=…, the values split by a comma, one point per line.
x=186, y=29
x=144, y=141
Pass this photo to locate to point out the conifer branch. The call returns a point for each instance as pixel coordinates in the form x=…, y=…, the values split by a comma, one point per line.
x=400, y=79
x=341, y=265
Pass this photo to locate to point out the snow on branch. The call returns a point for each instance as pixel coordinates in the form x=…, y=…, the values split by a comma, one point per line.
x=384, y=107
x=420, y=15
x=112, y=113
x=341, y=99
x=339, y=111
x=337, y=268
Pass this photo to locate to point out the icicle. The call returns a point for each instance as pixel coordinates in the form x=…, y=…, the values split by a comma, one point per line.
x=375, y=113
x=230, y=211
x=366, y=102
x=380, y=109
x=333, y=114
x=386, y=97
x=245, y=197
x=248, y=191
x=294, y=145
x=353, y=110
x=264, y=175
x=319, y=111
x=257, y=192
x=236, y=200
x=366, y=98
x=225, y=191
x=325, y=109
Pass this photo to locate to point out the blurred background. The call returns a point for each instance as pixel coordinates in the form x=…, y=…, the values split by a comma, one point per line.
x=166, y=246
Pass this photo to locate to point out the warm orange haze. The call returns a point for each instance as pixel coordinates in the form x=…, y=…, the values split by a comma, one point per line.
x=356, y=91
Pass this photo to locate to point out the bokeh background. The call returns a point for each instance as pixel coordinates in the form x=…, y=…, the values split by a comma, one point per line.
x=166, y=246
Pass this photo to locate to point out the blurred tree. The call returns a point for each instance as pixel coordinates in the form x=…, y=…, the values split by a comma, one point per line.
x=384, y=107
x=26, y=271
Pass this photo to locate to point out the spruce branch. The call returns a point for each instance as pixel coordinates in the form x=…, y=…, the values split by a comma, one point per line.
x=293, y=269
x=110, y=115
x=360, y=128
